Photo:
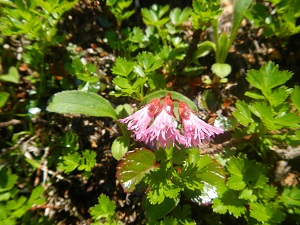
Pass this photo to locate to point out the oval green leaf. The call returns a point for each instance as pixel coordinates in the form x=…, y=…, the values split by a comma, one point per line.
x=221, y=69
x=81, y=102
x=120, y=147
x=174, y=95
x=133, y=168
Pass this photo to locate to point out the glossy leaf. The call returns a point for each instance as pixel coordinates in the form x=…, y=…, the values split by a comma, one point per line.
x=157, y=211
x=80, y=102
x=3, y=98
x=133, y=167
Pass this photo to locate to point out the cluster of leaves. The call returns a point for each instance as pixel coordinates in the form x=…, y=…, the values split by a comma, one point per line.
x=269, y=110
x=13, y=205
x=247, y=193
x=282, y=23
x=37, y=21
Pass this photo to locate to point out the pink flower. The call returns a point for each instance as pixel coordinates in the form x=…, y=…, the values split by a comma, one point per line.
x=195, y=129
x=139, y=121
x=163, y=129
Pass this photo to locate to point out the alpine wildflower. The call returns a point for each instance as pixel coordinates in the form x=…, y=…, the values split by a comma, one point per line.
x=139, y=121
x=195, y=129
x=163, y=129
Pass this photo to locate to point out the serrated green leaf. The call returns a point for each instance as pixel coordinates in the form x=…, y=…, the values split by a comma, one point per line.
x=236, y=166
x=291, y=196
x=104, y=209
x=247, y=194
x=123, y=67
x=295, y=97
x=70, y=162
x=236, y=183
x=179, y=16
x=88, y=160
x=139, y=82
x=288, y=120
x=242, y=114
x=278, y=96
x=268, y=77
x=133, y=168
x=265, y=113
x=153, y=16
x=230, y=202
x=122, y=83
x=149, y=62
x=81, y=102
x=271, y=212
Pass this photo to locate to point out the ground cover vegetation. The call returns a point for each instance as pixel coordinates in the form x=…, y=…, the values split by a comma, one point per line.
x=149, y=112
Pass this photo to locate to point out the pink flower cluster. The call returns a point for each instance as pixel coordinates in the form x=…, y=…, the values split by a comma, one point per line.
x=155, y=123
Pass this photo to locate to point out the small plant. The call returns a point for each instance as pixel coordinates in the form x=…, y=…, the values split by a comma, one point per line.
x=282, y=23
x=269, y=110
x=206, y=13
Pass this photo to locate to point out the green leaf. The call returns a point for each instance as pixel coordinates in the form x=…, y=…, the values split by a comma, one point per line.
x=288, y=120
x=153, y=16
x=229, y=201
x=120, y=147
x=221, y=69
x=88, y=161
x=123, y=67
x=133, y=168
x=268, y=77
x=203, y=49
x=149, y=62
x=12, y=76
x=270, y=213
x=179, y=16
x=236, y=166
x=236, y=183
x=35, y=197
x=295, y=97
x=254, y=95
x=242, y=114
x=265, y=113
x=278, y=96
x=239, y=9
x=157, y=211
x=8, y=180
x=174, y=95
x=104, y=209
x=80, y=102
x=122, y=82
x=3, y=98
x=70, y=162
x=291, y=196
